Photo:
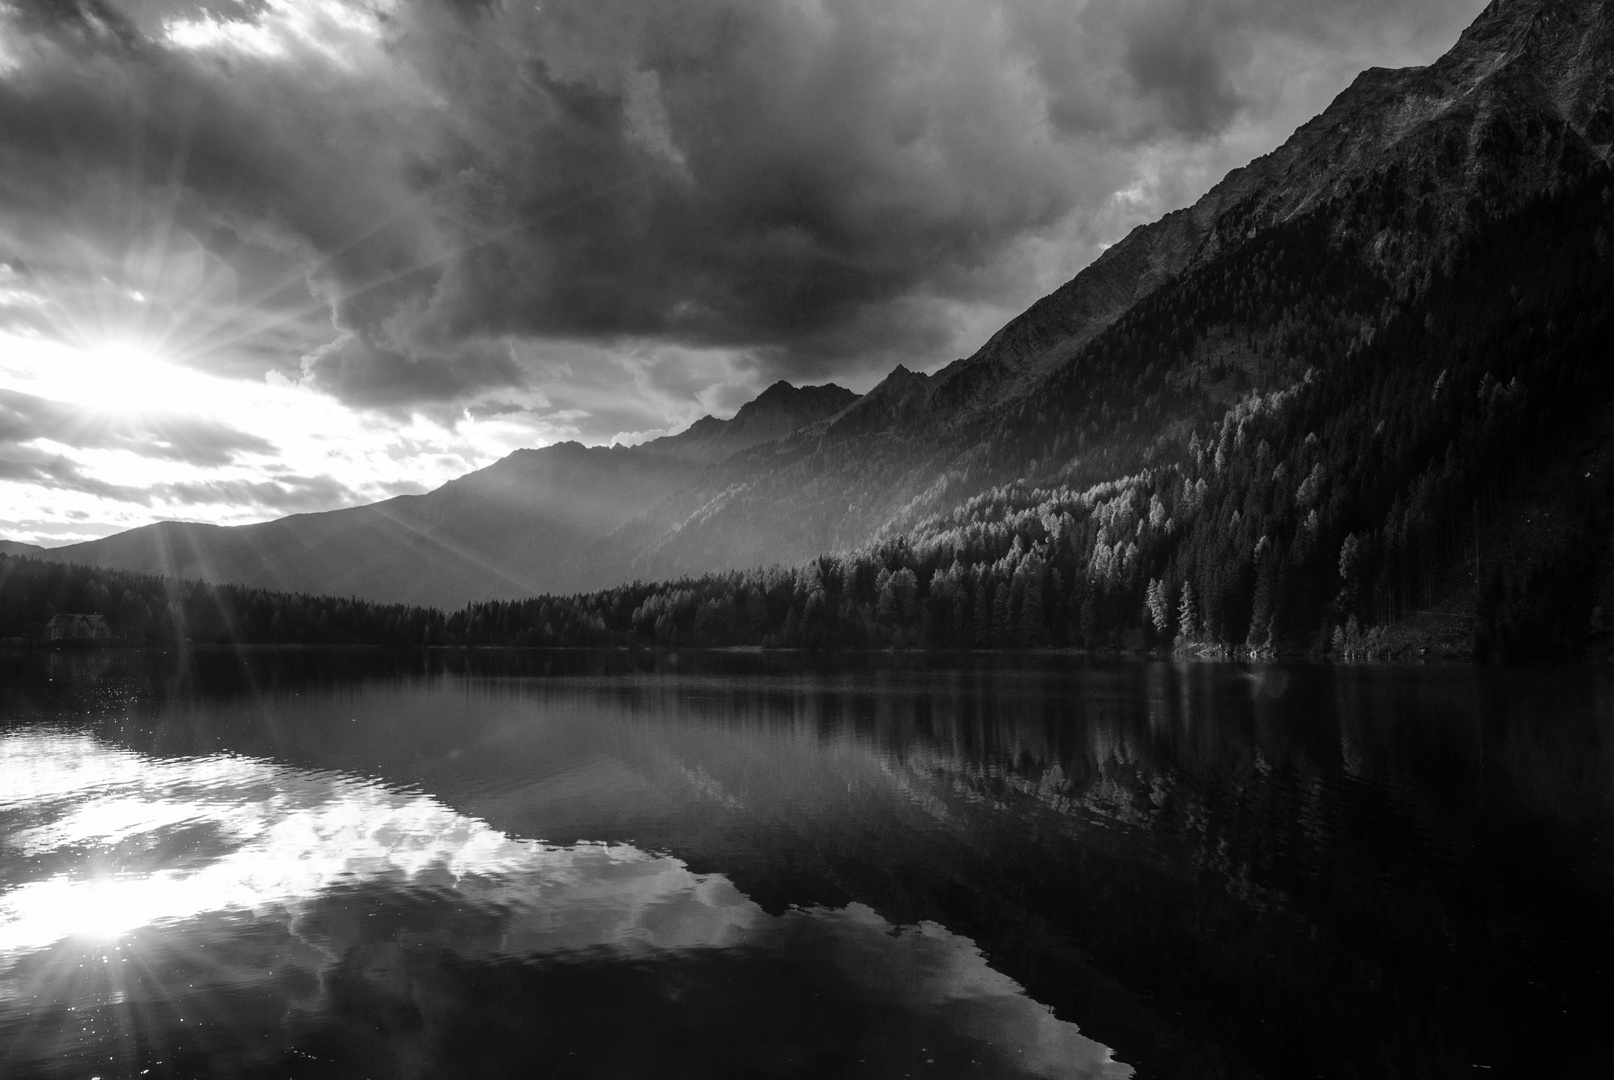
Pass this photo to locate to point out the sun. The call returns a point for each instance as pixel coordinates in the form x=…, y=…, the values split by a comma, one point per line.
x=129, y=377
x=113, y=376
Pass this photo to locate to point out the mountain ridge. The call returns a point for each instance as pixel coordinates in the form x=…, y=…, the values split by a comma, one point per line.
x=1382, y=99
x=527, y=523
x=1395, y=171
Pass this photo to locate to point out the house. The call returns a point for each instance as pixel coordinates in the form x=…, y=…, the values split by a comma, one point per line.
x=78, y=628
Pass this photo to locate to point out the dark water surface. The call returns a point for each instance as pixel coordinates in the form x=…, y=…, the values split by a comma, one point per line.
x=308, y=864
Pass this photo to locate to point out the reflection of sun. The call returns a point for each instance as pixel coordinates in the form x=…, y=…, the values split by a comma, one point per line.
x=102, y=909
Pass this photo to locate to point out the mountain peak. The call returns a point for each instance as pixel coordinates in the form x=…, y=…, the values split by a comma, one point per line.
x=1523, y=98
x=771, y=415
x=1517, y=20
x=898, y=397
x=780, y=390
x=901, y=376
x=785, y=398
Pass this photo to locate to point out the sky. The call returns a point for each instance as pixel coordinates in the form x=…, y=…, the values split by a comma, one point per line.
x=263, y=257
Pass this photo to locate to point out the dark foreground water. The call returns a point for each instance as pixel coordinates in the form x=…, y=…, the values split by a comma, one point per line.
x=611, y=865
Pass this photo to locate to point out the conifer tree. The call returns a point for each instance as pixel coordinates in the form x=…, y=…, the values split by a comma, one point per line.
x=1158, y=605
x=1188, y=614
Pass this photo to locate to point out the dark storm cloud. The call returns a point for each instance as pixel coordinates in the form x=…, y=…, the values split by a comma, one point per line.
x=760, y=176
x=374, y=376
x=807, y=184
x=25, y=418
x=1175, y=64
x=87, y=20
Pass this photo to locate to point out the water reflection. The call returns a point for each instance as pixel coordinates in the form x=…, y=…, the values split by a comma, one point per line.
x=234, y=915
x=1217, y=870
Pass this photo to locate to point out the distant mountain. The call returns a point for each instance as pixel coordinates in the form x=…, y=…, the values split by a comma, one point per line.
x=14, y=547
x=532, y=522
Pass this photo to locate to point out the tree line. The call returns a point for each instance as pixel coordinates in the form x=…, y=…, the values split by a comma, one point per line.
x=150, y=610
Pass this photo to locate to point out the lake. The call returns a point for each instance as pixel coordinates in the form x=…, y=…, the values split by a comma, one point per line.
x=486, y=864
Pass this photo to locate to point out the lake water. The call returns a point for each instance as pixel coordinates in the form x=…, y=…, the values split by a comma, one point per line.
x=304, y=864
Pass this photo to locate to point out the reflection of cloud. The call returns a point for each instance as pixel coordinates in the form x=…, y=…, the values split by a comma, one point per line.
x=118, y=845
x=291, y=835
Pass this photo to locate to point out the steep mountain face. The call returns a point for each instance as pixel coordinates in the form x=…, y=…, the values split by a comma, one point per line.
x=1403, y=164
x=530, y=523
x=1285, y=266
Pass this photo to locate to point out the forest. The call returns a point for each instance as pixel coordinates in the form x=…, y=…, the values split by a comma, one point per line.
x=1370, y=462
x=149, y=610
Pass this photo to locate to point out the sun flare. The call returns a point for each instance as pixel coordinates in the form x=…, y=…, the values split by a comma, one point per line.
x=124, y=377
x=129, y=378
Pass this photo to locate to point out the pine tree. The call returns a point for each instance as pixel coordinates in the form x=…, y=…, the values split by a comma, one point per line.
x=1002, y=612
x=1033, y=625
x=983, y=613
x=1188, y=613
x=1158, y=604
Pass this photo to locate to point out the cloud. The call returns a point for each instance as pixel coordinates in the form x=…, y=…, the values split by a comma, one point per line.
x=43, y=444
x=383, y=193
x=25, y=418
x=367, y=374
x=57, y=472
x=1174, y=65
x=282, y=495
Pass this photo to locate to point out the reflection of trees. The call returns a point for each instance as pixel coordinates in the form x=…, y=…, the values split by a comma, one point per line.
x=1208, y=834
x=1351, y=856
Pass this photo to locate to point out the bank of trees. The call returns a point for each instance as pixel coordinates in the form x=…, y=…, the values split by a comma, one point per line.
x=149, y=610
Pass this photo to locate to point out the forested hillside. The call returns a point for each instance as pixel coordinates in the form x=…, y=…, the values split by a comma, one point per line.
x=1285, y=267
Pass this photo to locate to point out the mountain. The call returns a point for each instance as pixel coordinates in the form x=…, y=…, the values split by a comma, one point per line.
x=1357, y=398
x=1368, y=201
x=778, y=411
x=529, y=523
x=14, y=547
x=1362, y=382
